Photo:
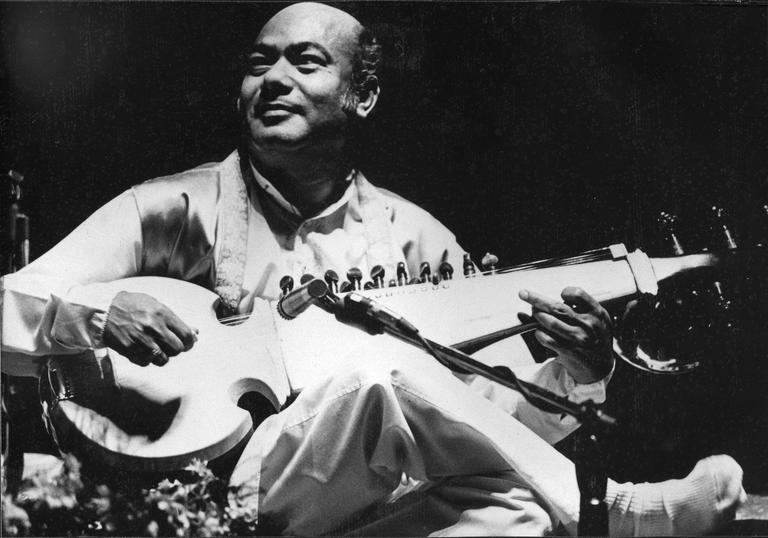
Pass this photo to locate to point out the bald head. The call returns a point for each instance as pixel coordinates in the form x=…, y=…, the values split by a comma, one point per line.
x=335, y=23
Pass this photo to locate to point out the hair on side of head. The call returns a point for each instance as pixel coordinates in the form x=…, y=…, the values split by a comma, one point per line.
x=366, y=63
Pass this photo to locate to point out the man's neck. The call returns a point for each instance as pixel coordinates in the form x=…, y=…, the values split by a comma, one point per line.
x=310, y=185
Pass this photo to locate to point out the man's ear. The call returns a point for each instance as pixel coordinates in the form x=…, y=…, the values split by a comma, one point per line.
x=368, y=98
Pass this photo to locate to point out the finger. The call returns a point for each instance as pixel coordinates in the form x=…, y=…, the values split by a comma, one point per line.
x=169, y=342
x=524, y=318
x=148, y=352
x=583, y=301
x=545, y=304
x=549, y=342
x=554, y=325
x=157, y=356
x=583, y=332
x=184, y=332
x=138, y=357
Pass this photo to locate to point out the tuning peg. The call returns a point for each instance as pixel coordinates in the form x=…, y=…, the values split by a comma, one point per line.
x=377, y=276
x=286, y=284
x=345, y=287
x=306, y=277
x=720, y=224
x=762, y=233
x=402, y=274
x=489, y=263
x=425, y=272
x=446, y=271
x=667, y=222
x=355, y=276
x=332, y=279
x=468, y=266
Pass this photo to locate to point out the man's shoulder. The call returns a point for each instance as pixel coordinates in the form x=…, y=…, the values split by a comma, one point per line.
x=402, y=206
x=409, y=214
x=205, y=177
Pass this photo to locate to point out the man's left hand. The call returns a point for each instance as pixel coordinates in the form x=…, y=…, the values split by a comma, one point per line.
x=578, y=329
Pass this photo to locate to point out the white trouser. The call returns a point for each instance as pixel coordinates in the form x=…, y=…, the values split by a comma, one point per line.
x=329, y=461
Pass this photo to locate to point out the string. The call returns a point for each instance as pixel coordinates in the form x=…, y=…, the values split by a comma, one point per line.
x=234, y=320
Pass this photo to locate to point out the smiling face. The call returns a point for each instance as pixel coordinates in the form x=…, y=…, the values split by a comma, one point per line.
x=298, y=88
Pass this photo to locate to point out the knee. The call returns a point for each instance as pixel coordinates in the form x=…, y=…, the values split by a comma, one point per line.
x=493, y=505
x=363, y=375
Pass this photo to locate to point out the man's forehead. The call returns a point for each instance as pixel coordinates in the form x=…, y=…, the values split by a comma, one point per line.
x=314, y=23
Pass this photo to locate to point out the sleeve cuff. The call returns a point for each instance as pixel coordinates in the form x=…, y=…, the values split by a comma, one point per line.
x=81, y=317
x=596, y=391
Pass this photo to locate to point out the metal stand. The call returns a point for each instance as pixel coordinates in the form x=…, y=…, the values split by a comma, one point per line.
x=15, y=243
x=593, y=481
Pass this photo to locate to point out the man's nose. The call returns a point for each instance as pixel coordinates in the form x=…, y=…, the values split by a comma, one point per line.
x=278, y=76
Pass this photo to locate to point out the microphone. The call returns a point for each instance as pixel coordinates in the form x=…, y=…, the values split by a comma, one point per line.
x=360, y=311
x=297, y=301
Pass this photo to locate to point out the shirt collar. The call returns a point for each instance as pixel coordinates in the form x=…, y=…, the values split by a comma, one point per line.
x=270, y=190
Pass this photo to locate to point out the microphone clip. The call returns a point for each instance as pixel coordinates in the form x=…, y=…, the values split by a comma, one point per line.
x=354, y=312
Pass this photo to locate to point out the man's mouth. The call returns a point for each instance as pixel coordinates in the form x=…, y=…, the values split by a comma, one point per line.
x=274, y=108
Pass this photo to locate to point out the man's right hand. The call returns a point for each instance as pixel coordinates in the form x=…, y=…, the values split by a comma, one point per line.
x=145, y=330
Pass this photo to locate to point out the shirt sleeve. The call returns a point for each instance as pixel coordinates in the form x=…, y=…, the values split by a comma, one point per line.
x=58, y=304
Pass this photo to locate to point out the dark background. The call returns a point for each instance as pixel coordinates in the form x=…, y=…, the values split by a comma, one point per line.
x=530, y=129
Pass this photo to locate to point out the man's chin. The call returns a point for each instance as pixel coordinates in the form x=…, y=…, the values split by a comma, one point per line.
x=277, y=141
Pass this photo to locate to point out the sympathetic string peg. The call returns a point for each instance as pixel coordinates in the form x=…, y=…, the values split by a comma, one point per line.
x=345, y=287
x=286, y=284
x=402, y=274
x=720, y=224
x=762, y=238
x=415, y=280
x=668, y=224
x=369, y=286
x=377, y=276
x=489, y=263
x=332, y=279
x=468, y=266
x=392, y=283
x=446, y=271
x=425, y=272
x=355, y=277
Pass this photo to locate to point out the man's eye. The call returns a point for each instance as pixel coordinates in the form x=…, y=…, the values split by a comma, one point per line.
x=258, y=65
x=309, y=61
x=310, y=58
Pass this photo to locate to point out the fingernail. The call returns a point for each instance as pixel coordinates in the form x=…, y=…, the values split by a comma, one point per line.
x=523, y=294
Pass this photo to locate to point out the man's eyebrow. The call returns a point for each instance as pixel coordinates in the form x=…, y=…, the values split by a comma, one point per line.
x=304, y=45
x=260, y=48
x=264, y=48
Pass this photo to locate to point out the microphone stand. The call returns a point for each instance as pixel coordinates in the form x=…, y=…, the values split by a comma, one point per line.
x=591, y=475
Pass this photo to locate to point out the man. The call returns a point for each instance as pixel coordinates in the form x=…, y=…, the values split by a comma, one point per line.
x=290, y=201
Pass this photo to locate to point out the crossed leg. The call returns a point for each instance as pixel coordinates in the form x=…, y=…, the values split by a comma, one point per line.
x=328, y=462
